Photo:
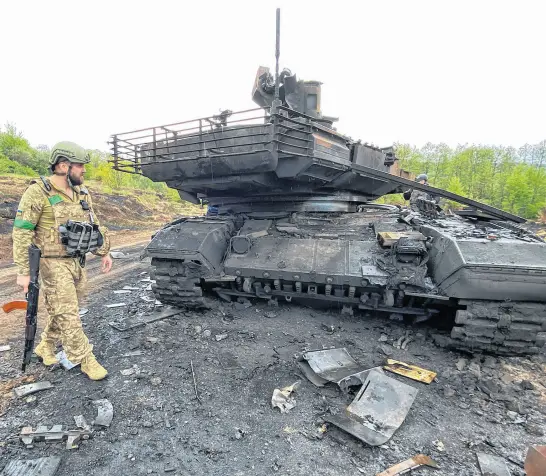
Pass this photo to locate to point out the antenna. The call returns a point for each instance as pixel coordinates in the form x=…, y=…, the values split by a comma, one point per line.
x=277, y=54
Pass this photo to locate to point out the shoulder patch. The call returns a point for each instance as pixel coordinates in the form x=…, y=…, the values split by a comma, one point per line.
x=53, y=200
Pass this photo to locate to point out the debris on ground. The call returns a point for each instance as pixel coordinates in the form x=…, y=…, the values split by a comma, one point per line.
x=46, y=466
x=535, y=462
x=117, y=304
x=63, y=360
x=122, y=291
x=81, y=422
x=105, y=412
x=408, y=465
x=130, y=371
x=194, y=382
x=492, y=465
x=283, y=398
x=377, y=411
x=118, y=255
x=411, y=371
x=83, y=311
x=56, y=433
x=439, y=445
x=4, y=348
x=220, y=337
x=139, y=321
x=332, y=365
x=25, y=390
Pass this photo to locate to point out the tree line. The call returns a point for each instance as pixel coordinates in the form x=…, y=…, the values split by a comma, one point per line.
x=18, y=157
x=504, y=177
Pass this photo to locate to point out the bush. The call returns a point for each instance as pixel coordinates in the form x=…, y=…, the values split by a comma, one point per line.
x=8, y=166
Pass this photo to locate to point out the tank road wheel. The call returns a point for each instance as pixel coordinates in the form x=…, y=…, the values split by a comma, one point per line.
x=509, y=328
x=172, y=286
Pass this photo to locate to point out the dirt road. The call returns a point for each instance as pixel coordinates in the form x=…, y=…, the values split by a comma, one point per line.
x=492, y=405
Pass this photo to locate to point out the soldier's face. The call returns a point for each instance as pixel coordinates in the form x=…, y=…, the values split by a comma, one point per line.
x=76, y=173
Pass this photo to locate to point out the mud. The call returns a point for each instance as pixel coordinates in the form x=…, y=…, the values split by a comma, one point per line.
x=494, y=405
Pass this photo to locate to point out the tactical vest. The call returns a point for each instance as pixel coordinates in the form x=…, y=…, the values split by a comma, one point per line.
x=74, y=232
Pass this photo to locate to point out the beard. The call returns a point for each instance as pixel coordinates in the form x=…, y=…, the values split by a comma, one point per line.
x=74, y=179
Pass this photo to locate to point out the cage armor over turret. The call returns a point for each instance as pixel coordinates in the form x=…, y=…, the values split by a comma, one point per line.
x=291, y=217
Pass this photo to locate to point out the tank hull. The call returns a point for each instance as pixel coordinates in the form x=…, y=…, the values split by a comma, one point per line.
x=375, y=260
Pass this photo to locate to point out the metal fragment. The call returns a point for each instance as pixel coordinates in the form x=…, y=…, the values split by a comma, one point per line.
x=81, y=422
x=535, y=462
x=492, y=465
x=4, y=348
x=411, y=371
x=408, y=465
x=63, y=360
x=133, y=323
x=56, y=433
x=194, y=382
x=25, y=390
x=377, y=411
x=332, y=364
x=117, y=304
x=118, y=255
x=47, y=466
x=122, y=291
x=105, y=412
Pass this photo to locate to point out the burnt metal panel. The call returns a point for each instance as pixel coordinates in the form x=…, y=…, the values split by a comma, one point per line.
x=313, y=260
x=47, y=466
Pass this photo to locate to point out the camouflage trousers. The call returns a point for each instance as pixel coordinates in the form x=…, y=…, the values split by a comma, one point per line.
x=63, y=283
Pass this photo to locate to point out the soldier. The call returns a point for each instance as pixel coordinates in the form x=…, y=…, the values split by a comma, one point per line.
x=56, y=214
x=414, y=195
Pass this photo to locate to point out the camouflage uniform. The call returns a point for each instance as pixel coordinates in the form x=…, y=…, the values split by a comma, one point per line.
x=415, y=196
x=43, y=208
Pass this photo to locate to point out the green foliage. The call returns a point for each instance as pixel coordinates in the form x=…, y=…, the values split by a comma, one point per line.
x=8, y=166
x=499, y=176
x=17, y=149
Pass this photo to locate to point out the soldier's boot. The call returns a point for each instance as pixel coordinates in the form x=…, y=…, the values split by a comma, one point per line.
x=46, y=353
x=92, y=368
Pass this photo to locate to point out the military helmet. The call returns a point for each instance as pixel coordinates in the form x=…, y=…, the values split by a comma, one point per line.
x=421, y=177
x=69, y=151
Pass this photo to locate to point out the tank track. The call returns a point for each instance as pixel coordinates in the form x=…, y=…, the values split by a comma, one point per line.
x=172, y=286
x=507, y=328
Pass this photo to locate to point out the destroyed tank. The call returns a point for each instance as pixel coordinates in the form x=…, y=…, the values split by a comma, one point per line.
x=291, y=217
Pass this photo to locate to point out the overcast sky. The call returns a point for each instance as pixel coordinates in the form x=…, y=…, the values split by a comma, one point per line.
x=392, y=71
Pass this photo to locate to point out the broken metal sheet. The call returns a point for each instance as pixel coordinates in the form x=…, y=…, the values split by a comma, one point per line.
x=32, y=467
x=3, y=348
x=332, y=364
x=56, y=433
x=118, y=255
x=63, y=360
x=117, y=304
x=83, y=311
x=492, y=465
x=130, y=288
x=25, y=390
x=535, y=461
x=408, y=465
x=283, y=398
x=122, y=291
x=357, y=379
x=105, y=412
x=377, y=411
x=139, y=321
x=81, y=422
x=410, y=371
x=315, y=379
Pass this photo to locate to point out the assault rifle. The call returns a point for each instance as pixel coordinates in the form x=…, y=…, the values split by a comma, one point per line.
x=34, y=254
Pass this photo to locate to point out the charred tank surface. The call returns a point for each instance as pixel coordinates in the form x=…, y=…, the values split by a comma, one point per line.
x=291, y=217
